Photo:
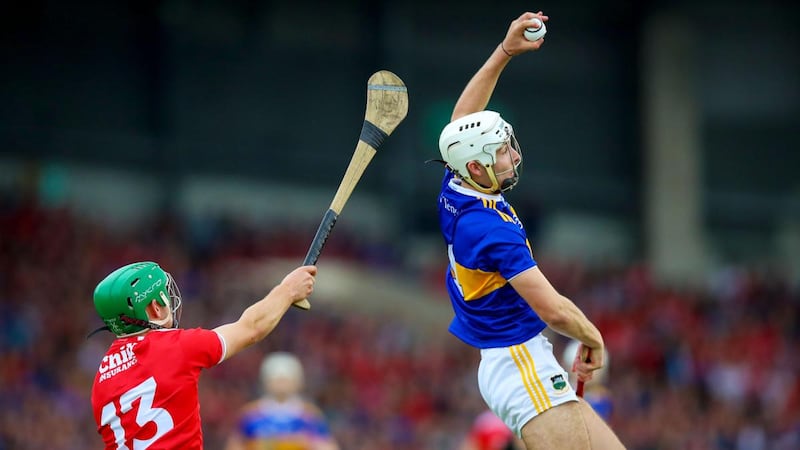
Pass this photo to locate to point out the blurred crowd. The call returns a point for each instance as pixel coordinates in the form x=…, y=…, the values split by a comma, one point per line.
x=693, y=368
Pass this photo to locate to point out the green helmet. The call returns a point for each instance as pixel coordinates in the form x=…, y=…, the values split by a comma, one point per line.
x=122, y=297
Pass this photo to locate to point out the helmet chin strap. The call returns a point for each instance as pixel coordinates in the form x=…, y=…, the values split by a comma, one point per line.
x=509, y=183
x=496, y=187
x=143, y=323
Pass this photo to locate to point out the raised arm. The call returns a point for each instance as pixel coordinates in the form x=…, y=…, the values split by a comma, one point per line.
x=479, y=90
x=260, y=318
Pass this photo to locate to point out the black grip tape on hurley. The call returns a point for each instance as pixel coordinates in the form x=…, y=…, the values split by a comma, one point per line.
x=372, y=135
x=324, y=230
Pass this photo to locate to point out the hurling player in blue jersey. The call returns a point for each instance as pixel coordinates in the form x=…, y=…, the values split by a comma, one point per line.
x=281, y=419
x=501, y=298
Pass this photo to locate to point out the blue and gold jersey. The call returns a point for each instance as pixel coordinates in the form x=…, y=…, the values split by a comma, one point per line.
x=291, y=425
x=487, y=246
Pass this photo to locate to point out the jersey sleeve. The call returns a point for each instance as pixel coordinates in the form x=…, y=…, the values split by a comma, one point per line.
x=201, y=347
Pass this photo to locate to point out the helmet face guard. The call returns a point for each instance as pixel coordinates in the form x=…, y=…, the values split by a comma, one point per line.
x=516, y=168
x=478, y=137
x=175, y=300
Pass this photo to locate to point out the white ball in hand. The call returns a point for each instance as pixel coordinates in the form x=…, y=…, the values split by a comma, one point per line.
x=537, y=31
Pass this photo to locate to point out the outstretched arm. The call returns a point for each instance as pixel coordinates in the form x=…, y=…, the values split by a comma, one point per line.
x=479, y=90
x=260, y=318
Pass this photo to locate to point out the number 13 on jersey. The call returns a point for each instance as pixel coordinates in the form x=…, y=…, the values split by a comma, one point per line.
x=145, y=414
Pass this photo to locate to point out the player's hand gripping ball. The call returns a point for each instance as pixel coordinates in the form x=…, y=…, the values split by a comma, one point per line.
x=537, y=31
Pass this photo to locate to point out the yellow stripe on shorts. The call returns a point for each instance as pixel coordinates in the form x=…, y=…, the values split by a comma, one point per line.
x=527, y=368
x=539, y=383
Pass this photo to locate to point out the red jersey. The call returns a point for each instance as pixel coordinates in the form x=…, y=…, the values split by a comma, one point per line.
x=145, y=395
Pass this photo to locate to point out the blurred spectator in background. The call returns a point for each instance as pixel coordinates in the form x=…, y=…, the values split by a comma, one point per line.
x=488, y=432
x=281, y=418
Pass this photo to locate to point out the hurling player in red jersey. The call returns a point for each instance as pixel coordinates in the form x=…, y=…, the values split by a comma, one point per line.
x=145, y=393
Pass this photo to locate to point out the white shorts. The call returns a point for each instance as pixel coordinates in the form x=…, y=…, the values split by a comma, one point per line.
x=522, y=381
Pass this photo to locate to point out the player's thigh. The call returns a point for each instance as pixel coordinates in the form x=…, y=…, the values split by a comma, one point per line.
x=572, y=425
x=559, y=427
x=600, y=434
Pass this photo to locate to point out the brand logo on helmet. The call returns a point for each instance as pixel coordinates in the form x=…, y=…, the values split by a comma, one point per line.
x=148, y=291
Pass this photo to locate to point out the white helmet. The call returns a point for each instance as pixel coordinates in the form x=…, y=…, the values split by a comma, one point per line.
x=281, y=365
x=477, y=137
x=600, y=375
